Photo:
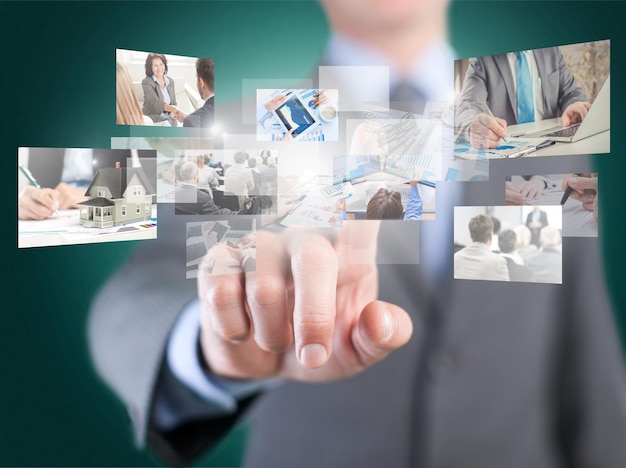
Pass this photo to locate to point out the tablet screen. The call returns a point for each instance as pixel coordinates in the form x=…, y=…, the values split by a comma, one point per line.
x=293, y=114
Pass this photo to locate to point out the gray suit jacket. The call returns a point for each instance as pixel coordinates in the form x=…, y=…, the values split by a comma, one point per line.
x=547, y=266
x=153, y=98
x=188, y=199
x=497, y=374
x=490, y=80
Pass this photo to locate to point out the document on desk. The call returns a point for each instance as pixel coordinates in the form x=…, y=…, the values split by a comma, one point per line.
x=512, y=148
x=577, y=221
x=314, y=212
x=66, y=229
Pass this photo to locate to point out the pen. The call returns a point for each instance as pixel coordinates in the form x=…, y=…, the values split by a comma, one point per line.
x=545, y=144
x=33, y=181
x=522, y=152
x=493, y=116
x=568, y=192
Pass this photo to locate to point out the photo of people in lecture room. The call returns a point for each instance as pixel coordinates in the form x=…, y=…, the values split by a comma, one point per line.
x=541, y=102
x=164, y=90
x=577, y=194
x=508, y=243
x=223, y=182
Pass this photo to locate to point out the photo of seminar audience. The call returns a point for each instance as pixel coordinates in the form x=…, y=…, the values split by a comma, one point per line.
x=169, y=91
x=223, y=182
x=500, y=248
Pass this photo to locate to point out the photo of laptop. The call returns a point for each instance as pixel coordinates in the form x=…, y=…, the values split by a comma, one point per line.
x=598, y=120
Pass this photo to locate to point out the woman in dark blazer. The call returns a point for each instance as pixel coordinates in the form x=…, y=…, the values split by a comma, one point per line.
x=159, y=94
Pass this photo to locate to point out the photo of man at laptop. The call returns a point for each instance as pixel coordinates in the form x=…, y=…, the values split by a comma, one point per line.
x=541, y=93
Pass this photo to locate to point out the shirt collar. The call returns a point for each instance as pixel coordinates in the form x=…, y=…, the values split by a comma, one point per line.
x=166, y=79
x=426, y=72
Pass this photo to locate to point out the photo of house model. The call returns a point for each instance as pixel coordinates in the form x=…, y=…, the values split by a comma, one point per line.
x=117, y=196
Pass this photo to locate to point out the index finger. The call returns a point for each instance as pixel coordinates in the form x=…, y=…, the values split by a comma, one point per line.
x=314, y=271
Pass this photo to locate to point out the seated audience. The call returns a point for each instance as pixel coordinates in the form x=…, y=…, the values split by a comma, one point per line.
x=189, y=199
x=256, y=176
x=269, y=176
x=206, y=174
x=548, y=263
x=525, y=249
x=507, y=241
x=477, y=261
x=238, y=178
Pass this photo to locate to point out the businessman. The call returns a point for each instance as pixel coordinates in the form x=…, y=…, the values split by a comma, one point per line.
x=477, y=261
x=536, y=220
x=191, y=200
x=490, y=375
x=203, y=117
x=517, y=87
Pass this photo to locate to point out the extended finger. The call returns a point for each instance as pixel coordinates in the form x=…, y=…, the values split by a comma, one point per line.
x=221, y=292
x=266, y=293
x=314, y=271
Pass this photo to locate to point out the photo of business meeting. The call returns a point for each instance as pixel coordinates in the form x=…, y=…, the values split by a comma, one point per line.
x=170, y=91
x=375, y=248
x=550, y=101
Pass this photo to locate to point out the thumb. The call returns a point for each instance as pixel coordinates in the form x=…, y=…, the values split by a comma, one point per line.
x=566, y=118
x=382, y=328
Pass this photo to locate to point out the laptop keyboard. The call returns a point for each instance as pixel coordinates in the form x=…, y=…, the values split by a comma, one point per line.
x=566, y=132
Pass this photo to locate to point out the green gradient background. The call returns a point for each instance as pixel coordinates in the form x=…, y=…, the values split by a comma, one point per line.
x=58, y=88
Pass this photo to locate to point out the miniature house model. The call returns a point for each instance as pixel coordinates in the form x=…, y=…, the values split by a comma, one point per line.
x=117, y=196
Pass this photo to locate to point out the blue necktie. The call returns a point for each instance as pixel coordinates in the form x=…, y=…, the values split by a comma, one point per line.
x=525, y=99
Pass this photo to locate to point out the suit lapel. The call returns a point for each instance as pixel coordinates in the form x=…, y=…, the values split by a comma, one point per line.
x=543, y=70
x=502, y=63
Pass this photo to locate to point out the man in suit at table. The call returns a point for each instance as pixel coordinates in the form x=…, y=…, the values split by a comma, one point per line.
x=538, y=372
x=515, y=88
x=203, y=117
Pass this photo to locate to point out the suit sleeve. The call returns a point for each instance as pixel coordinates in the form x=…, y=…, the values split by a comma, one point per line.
x=128, y=329
x=473, y=94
